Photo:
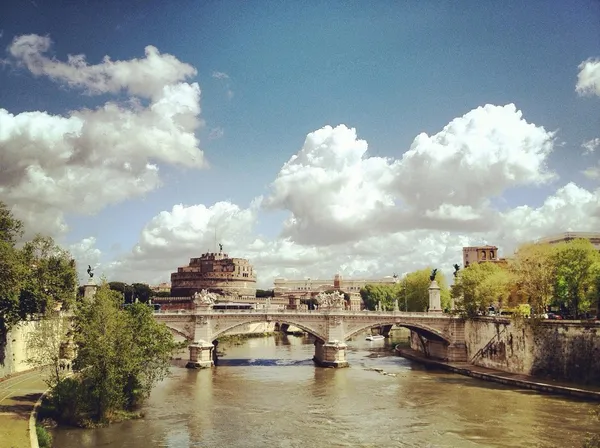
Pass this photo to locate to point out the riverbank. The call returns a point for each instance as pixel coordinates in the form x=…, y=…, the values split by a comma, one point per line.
x=507, y=378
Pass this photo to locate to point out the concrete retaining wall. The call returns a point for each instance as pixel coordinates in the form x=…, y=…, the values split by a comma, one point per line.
x=15, y=350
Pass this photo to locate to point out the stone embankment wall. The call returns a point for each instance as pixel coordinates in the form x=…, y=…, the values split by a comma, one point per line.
x=560, y=350
x=14, y=350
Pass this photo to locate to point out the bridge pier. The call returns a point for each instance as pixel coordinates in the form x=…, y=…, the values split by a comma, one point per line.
x=330, y=354
x=201, y=355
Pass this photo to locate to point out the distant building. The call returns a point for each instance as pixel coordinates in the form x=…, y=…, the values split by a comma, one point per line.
x=593, y=237
x=290, y=292
x=161, y=287
x=478, y=254
x=218, y=273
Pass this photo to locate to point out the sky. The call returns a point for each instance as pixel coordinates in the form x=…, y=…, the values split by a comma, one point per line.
x=313, y=138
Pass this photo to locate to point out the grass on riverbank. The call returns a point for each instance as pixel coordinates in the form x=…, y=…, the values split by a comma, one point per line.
x=43, y=436
x=49, y=417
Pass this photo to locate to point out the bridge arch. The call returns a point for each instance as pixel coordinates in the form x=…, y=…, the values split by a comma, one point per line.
x=302, y=326
x=426, y=331
x=179, y=333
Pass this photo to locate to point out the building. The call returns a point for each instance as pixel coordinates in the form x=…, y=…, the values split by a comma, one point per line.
x=290, y=292
x=161, y=287
x=592, y=237
x=478, y=254
x=218, y=273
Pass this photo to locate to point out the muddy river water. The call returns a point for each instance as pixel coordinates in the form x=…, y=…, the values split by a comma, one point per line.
x=266, y=392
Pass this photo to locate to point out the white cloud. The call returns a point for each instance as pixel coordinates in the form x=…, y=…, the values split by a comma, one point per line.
x=590, y=146
x=172, y=237
x=85, y=254
x=335, y=192
x=144, y=77
x=588, y=79
x=89, y=158
x=571, y=208
x=220, y=75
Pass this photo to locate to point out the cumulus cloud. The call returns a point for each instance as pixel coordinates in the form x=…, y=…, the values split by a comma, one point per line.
x=89, y=158
x=143, y=77
x=335, y=192
x=588, y=79
x=571, y=208
x=172, y=237
x=369, y=217
x=590, y=146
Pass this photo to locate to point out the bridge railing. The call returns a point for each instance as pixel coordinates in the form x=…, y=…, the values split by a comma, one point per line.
x=321, y=312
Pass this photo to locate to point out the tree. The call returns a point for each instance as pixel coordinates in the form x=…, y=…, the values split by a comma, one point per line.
x=142, y=292
x=415, y=287
x=121, y=354
x=575, y=265
x=534, y=272
x=51, y=277
x=373, y=294
x=480, y=285
x=11, y=273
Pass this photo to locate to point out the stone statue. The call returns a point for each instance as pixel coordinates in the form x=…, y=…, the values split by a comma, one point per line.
x=456, y=269
x=90, y=271
x=433, y=274
x=220, y=248
x=333, y=299
x=204, y=298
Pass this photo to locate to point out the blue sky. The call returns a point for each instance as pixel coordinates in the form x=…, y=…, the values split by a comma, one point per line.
x=271, y=73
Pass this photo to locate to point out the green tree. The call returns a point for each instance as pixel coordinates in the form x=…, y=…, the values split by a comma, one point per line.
x=51, y=277
x=11, y=273
x=415, y=288
x=372, y=294
x=481, y=285
x=534, y=273
x=121, y=354
x=34, y=279
x=142, y=292
x=575, y=264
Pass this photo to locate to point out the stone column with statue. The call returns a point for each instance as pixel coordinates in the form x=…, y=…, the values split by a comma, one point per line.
x=435, y=301
x=202, y=353
x=89, y=289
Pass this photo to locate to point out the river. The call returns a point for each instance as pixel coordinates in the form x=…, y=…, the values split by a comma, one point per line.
x=267, y=392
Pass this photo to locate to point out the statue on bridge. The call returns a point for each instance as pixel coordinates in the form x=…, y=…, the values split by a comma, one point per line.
x=330, y=300
x=456, y=269
x=205, y=298
x=90, y=271
x=433, y=275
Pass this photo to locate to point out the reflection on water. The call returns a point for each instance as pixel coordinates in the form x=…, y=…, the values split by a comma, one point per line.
x=267, y=392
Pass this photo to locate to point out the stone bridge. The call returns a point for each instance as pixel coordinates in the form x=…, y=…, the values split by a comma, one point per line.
x=441, y=335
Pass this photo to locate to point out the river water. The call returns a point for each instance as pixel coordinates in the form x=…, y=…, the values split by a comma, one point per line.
x=267, y=392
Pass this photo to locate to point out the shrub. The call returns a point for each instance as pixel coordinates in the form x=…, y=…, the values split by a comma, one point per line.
x=43, y=436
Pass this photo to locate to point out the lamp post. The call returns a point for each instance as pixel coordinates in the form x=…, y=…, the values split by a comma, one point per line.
x=405, y=303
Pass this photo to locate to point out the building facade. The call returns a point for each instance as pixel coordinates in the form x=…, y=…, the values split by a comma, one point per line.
x=218, y=273
x=592, y=237
x=478, y=254
x=289, y=292
x=161, y=287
